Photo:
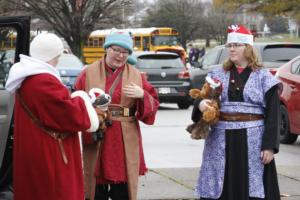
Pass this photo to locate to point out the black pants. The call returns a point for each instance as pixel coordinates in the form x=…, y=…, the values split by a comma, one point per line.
x=236, y=180
x=111, y=191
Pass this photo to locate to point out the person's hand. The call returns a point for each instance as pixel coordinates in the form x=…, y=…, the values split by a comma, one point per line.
x=267, y=156
x=133, y=91
x=204, y=105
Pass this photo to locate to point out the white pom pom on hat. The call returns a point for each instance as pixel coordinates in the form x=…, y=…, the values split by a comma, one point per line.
x=46, y=46
x=239, y=34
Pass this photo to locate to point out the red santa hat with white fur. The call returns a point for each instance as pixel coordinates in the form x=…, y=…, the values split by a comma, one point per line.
x=239, y=34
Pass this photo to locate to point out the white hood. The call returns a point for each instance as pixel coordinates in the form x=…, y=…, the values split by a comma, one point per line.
x=27, y=66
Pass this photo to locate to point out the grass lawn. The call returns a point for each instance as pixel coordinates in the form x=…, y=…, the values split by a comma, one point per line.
x=278, y=38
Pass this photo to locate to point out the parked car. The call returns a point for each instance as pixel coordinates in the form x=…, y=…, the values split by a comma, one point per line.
x=289, y=75
x=271, y=55
x=167, y=73
x=20, y=25
x=69, y=67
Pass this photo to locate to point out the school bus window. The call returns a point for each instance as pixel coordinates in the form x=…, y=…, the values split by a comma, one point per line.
x=100, y=42
x=95, y=42
x=146, y=44
x=90, y=43
x=137, y=41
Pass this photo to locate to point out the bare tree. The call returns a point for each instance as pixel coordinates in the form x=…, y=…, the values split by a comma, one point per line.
x=75, y=19
x=184, y=15
x=216, y=23
x=192, y=18
x=11, y=8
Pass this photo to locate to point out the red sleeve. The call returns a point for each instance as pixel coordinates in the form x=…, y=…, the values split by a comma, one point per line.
x=148, y=106
x=52, y=104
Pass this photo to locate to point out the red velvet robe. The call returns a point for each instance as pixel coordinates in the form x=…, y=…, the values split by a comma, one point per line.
x=38, y=168
x=111, y=167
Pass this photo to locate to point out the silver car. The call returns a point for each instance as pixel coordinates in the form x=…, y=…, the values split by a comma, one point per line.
x=69, y=67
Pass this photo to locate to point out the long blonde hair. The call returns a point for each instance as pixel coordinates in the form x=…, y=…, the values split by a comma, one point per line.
x=251, y=57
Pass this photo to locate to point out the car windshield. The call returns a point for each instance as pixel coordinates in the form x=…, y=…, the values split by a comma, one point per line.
x=165, y=40
x=280, y=53
x=69, y=61
x=159, y=61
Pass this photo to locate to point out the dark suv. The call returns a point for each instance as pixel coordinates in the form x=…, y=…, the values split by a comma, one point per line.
x=20, y=26
x=166, y=72
x=271, y=55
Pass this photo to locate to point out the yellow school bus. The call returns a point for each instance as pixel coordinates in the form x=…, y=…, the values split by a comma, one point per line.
x=144, y=39
x=8, y=41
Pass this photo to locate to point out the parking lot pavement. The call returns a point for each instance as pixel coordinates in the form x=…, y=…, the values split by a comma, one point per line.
x=174, y=160
x=178, y=183
x=289, y=181
x=168, y=183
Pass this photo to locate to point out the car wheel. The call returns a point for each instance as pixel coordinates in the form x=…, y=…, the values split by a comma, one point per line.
x=286, y=137
x=184, y=104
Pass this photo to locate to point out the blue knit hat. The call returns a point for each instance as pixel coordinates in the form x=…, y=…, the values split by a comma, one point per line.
x=119, y=38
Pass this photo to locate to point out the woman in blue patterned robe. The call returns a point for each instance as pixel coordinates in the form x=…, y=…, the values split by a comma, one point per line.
x=238, y=157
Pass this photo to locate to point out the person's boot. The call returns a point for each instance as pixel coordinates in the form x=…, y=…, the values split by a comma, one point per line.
x=101, y=192
x=118, y=191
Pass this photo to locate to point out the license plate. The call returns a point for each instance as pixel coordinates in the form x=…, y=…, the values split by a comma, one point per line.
x=65, y=79
x=164, y=90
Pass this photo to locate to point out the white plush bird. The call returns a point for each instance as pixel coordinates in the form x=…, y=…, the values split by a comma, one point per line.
x=99, y=98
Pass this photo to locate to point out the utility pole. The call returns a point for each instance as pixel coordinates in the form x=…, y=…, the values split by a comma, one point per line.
x=123, y=16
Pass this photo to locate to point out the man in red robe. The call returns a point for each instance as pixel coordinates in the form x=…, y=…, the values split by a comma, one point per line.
x=119, y=159
x=47, y=162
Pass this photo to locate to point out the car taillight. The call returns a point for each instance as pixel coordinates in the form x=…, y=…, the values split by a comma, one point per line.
x=144, y=74
x=184, y=75
x=273, y=71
